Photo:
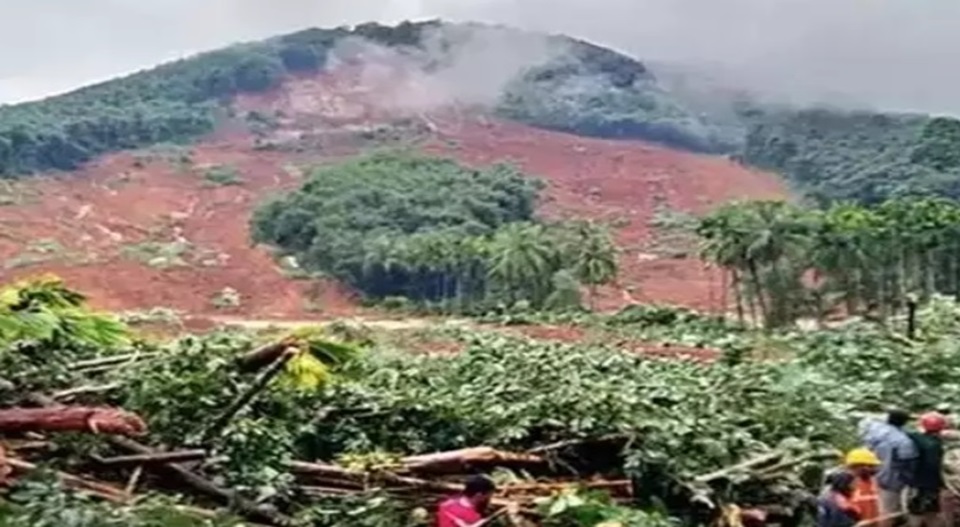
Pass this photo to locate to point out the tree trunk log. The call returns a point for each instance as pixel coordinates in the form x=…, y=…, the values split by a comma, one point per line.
x=264, y=355
x=72, y=419
x=460, y=460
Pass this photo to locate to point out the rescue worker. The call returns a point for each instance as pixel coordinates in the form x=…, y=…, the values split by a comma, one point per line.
x=923, y=504
x=863, y=464
x=897, y=454
x=834, y=508
x=469, y=508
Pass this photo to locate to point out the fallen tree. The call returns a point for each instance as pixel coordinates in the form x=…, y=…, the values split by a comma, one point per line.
x=71, y=419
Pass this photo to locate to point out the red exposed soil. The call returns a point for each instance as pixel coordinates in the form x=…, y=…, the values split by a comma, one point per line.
x=622, y=183
x=98, y=215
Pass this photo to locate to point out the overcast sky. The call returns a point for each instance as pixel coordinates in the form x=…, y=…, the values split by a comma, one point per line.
x=895, y=54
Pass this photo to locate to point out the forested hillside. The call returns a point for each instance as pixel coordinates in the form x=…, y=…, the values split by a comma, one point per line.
x=868, y=157
x=577, y=87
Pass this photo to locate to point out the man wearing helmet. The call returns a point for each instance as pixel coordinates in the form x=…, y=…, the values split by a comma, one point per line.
x=863, y=464
x=925, y=489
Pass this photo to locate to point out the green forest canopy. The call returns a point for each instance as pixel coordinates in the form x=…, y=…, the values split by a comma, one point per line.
x=589, y=89
x=393, y=224
x=862, y=156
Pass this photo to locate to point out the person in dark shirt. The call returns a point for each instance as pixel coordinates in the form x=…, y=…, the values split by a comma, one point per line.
x=834, y=508
x=927, y=485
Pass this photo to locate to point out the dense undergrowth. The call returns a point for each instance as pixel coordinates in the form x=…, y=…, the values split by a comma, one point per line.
x=425, y=230
x=680, y=418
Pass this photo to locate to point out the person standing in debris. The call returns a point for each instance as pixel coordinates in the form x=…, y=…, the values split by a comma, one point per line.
x=927, y=485
x=898, y=457
x=834, y=506
x=467, y=509
x=863, y=464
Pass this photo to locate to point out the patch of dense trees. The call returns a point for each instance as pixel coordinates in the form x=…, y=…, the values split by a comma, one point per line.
x=432, y=231
x=590, y=90
x=596, y=92
x=862, y=156
x=785, y=262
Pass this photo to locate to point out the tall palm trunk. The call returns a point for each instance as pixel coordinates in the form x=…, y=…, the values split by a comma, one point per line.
x=955, y=275
x=724, y=292
x=738, y=294
x=758, y=289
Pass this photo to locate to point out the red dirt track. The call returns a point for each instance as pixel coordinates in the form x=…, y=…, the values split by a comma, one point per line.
x=116, y=202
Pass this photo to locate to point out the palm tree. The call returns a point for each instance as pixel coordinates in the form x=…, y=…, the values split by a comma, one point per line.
x=521, y=261
x=724, y=243
x=766, y=240
x=594, y=257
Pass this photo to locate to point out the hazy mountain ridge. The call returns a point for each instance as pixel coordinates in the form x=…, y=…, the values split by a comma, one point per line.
x=551, y=81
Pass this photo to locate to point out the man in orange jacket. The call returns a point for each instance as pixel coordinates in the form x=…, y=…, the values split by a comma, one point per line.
x=863, y=464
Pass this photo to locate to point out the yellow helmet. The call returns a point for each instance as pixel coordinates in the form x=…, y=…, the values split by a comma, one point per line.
x=861, y=456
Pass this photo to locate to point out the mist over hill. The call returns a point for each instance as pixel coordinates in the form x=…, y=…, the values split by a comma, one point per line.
x=550, y=81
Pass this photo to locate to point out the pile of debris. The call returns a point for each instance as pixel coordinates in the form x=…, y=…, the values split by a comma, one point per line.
x=541, y=473
x=134, y=468
x=423, y=479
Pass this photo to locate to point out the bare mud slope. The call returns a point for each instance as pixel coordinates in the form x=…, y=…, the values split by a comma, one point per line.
x=144, y=229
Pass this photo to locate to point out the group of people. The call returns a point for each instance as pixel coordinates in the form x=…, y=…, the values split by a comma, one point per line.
x=896, y=476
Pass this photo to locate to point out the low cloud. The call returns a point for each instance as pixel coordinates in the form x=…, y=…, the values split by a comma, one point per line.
x=891, y=54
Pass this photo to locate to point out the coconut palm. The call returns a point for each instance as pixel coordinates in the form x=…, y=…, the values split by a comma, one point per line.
x=594, y=257
x=522, y=259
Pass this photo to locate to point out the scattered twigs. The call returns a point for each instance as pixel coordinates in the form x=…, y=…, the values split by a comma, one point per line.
x=322, y=470
x=744, y=466
x=203, y=485
x=5, y=468
x=154, y=459
x=107, y=363
x=778, y=469
x=258, y=385
x=96, y=488
x=134, y=479
x=72, y=419
x=64, y=395
x=25, y=445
